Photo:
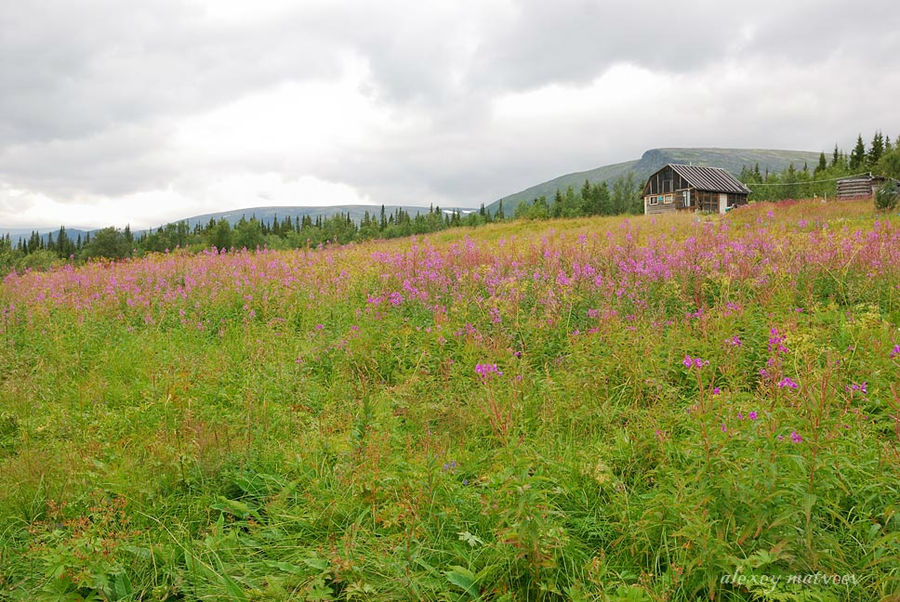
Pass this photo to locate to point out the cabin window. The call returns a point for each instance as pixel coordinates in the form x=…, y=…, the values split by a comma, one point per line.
x=669, y=199
x=652, y=200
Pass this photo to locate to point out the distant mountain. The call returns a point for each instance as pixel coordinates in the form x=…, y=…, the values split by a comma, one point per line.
x=263, y=214
x=729, y=158
x=267, y=214
x=732, y=159
x=25, y=233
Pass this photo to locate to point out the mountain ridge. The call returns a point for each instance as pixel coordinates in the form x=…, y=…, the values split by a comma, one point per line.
x=731, y=159
x=263, y=213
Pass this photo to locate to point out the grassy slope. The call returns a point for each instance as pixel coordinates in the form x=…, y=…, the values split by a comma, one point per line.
x=731, y=159
x=299, y=425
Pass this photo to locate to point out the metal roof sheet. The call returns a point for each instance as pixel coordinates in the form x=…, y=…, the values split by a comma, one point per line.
x=712, y=179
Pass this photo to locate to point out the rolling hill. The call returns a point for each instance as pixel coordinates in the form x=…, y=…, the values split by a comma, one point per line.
x=732, y=159
x=267, y=214
x=264, y=214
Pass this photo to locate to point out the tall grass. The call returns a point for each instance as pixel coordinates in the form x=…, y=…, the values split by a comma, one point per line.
x=640, y=409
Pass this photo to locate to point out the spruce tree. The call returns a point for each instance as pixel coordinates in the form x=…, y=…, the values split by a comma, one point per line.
x=858, y=156
x=877, y=149
x=556, y=210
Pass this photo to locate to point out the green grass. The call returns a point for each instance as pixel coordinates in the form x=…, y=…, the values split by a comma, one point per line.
x=265, y=458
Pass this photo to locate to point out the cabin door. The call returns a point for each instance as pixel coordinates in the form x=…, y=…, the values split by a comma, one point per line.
x=723, y=203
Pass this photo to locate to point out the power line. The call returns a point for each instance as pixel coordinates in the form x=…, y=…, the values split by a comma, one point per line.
x=800, y=182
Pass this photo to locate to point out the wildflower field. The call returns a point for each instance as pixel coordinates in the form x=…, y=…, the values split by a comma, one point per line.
x=594, y=409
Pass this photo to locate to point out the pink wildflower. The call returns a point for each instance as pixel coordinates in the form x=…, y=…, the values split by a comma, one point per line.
x=485, y=370
x=787, y=382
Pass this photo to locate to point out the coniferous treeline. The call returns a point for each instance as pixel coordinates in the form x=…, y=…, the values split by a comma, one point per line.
x=590, y=199
x=881, y=157
x=38, y=252
x=41, y=251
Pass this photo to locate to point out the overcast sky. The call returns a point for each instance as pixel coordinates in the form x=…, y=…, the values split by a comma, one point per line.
x=115, y=112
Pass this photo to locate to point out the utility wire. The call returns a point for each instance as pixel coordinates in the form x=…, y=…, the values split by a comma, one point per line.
x=799, y=182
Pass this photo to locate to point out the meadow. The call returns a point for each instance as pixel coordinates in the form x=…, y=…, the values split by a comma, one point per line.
x=634, y=409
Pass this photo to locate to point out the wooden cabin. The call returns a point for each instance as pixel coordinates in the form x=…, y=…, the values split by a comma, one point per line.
x=678, y=187
x=858, y=187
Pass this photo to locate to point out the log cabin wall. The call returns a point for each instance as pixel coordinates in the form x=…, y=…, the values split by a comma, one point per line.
x=663, y=192
x=668, y=190
x=655, y=204
x=854, y=188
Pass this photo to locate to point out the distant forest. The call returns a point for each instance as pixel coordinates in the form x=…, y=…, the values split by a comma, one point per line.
x=881, y=157
x=39, y=252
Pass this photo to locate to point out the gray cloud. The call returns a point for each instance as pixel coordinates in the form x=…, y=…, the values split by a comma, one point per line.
x=72, y=68
x=96, y=92
x=575, y=40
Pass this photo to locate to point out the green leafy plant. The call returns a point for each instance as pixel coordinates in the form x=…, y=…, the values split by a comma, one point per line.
x=887, y=196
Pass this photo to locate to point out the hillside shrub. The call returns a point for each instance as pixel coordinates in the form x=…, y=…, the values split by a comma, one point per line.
x=887, y=196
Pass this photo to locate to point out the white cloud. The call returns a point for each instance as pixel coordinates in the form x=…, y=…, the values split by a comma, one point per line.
x=115, y=113
x=154, y=207
x=292, y=125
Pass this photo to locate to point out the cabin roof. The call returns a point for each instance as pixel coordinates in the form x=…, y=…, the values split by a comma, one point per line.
x=867, y=177
x=711, y=179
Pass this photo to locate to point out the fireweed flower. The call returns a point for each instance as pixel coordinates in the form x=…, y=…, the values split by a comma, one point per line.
x=752, y=416
x=694, y=362
x=895, y=351
x=795, y=437
x=716, y=391
x=734, y=341
x=786, y=382
x=776, y=340
x=485, y=370
x=854, y=387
